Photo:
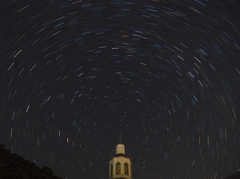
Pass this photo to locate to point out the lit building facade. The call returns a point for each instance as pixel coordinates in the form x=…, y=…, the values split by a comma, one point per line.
x=120, y=166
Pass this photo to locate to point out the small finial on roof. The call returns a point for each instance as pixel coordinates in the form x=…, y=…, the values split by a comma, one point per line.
x=120, y=137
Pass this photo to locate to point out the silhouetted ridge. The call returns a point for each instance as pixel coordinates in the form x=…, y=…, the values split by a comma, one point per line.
x=13, y=166
x=234, y=176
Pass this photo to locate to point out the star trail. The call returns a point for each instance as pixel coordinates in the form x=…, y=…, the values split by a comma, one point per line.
x=164, y=73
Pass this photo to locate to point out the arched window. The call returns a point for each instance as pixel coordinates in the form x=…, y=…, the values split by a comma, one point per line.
x=111, y=170
x=118, y=168
x=126, y=172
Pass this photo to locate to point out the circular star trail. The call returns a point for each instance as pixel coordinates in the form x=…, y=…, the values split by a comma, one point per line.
x=164, y=73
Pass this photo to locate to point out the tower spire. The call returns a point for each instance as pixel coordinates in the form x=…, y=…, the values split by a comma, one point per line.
x=120, y=137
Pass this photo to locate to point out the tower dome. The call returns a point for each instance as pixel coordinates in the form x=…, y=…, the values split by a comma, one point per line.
x=120, y=149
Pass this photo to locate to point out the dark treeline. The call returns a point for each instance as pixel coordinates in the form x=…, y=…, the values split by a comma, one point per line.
x=13, y=166
x=234, y=176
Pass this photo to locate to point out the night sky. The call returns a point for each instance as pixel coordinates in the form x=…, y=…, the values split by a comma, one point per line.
x=164, y=73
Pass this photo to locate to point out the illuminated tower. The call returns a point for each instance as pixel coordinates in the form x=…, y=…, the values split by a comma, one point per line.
x=120, y=166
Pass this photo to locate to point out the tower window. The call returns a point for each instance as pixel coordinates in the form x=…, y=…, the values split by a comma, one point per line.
x=118, y=168
x=126, y=172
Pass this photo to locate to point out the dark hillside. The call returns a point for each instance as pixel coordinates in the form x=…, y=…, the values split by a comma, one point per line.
x=15, y=167
x=234, y=176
